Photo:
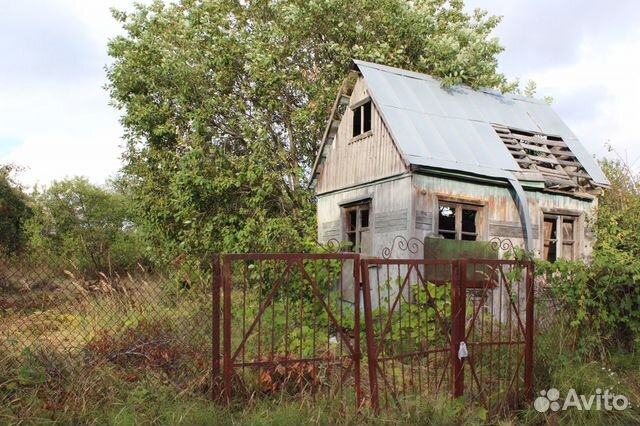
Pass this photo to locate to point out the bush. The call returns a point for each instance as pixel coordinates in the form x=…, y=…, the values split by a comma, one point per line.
x=601, y=299
x=14, y=210
x=91, y=227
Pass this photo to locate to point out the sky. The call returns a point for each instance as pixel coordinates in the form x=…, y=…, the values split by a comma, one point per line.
x=56, y=121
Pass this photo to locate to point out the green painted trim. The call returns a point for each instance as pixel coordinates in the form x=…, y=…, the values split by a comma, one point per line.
x=460, y=176
x=367, y=184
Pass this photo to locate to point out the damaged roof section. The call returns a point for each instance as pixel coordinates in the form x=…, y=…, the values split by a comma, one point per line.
x=546, y=158
x=477, y=132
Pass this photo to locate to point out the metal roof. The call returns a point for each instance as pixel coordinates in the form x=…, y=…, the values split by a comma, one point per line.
x=451, y=128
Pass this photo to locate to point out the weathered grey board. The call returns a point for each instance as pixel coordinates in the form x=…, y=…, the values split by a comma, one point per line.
x=391, y=221
x=424, y=220
x=330, y=229
x=509, y=229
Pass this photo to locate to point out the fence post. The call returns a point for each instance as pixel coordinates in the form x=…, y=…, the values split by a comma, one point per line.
x=226, y=332
x=458, y=314
x=372, y=354
x=528, y=346
x=357, y=356
x=215, y=328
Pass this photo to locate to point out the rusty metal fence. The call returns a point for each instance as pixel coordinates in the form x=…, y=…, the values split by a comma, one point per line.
x=370, y=332
x=373, y=331
x=290, y=325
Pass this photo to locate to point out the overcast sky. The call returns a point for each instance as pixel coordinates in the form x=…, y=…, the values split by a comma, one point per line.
x=55, y=118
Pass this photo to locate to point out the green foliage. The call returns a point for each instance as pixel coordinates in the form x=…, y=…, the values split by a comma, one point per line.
x=78, y=223
x=618, y=216
x=14, y=210
x=602, y=299
x=296, y=320
x=225, y=102
x=414, y=320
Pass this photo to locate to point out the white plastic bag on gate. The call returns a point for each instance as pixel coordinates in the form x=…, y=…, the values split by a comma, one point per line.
x=462, y=351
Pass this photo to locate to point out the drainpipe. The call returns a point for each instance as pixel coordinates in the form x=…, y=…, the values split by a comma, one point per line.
x=523, y=211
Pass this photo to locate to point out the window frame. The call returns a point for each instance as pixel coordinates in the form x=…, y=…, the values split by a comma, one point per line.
x=458, y=207
x=362, y=106
x=346, y=210
x=560, y=219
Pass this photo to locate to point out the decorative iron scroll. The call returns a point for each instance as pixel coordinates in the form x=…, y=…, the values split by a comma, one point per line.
x=503, y=244
x=412, y=245
x=330, y=246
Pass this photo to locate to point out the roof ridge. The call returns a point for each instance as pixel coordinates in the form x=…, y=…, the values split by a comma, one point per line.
x=427, y=77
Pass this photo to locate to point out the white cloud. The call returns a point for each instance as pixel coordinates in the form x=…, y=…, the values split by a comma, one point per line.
x=51, y=77
x=583, y=54
x=51, y=87
x=606, y=73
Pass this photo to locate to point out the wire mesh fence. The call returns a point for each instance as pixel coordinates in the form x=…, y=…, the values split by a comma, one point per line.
x=148, y=318
x=297, y=324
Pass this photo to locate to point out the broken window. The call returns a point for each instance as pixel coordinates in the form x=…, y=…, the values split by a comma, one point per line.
x=559, y=239
x=546, y=155
x=458, y=221
x=362, y=119
x=356, y=219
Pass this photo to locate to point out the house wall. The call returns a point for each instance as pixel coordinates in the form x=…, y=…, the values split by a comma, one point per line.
x=353, y=161
x=390, y=214
x=500, y=214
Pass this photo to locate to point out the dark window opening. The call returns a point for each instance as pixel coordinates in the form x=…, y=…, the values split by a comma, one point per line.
x=357, y=122
x=364, y=218
x=356, y=220
x=366, y=117
x=447, y=222
x=362, y=119
x=458, y=221
x=550, y=252
x=559, y=241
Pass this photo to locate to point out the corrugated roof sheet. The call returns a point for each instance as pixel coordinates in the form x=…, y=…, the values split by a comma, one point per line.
x=451, y=128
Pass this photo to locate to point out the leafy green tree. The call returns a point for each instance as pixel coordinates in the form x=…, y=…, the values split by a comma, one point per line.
x=224, y=103
x=83, y=224
x=14, y=210
x=602, y=298
x=618, y=219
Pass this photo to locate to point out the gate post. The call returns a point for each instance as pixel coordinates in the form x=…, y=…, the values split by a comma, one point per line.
x=372, y=351
x=226, y=331
x=215, y=328
x=528, y=345
x=357, y=356
x=458, y=314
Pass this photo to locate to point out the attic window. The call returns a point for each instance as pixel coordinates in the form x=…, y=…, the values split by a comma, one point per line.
x=362, y=118
x=548, y=156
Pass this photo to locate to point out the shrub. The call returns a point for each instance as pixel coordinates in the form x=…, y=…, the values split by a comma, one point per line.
x=86, y=225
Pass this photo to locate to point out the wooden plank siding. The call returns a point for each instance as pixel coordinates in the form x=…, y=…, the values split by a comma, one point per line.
x=500, y=215
x=354, y=161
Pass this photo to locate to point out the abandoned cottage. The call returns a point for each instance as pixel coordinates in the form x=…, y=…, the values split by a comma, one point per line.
x=404, y=156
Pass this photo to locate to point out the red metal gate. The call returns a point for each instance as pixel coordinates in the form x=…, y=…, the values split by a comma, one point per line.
x=408, y=326
x=418, y=314
x=290, y=325
x=497, y=325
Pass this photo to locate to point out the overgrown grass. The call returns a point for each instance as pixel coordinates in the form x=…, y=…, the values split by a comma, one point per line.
x=557, y=367
x=46, y=390
x=130, y=363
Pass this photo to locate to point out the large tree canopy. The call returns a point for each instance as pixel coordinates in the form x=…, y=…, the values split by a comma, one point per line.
x=224, y=103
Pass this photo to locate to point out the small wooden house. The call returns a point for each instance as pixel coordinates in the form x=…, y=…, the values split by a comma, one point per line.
x=404, y=156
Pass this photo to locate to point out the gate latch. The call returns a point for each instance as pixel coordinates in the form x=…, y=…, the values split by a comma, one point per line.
x=462, y=351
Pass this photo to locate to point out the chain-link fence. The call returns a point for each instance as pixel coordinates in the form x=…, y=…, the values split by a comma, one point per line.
x=156, y=319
